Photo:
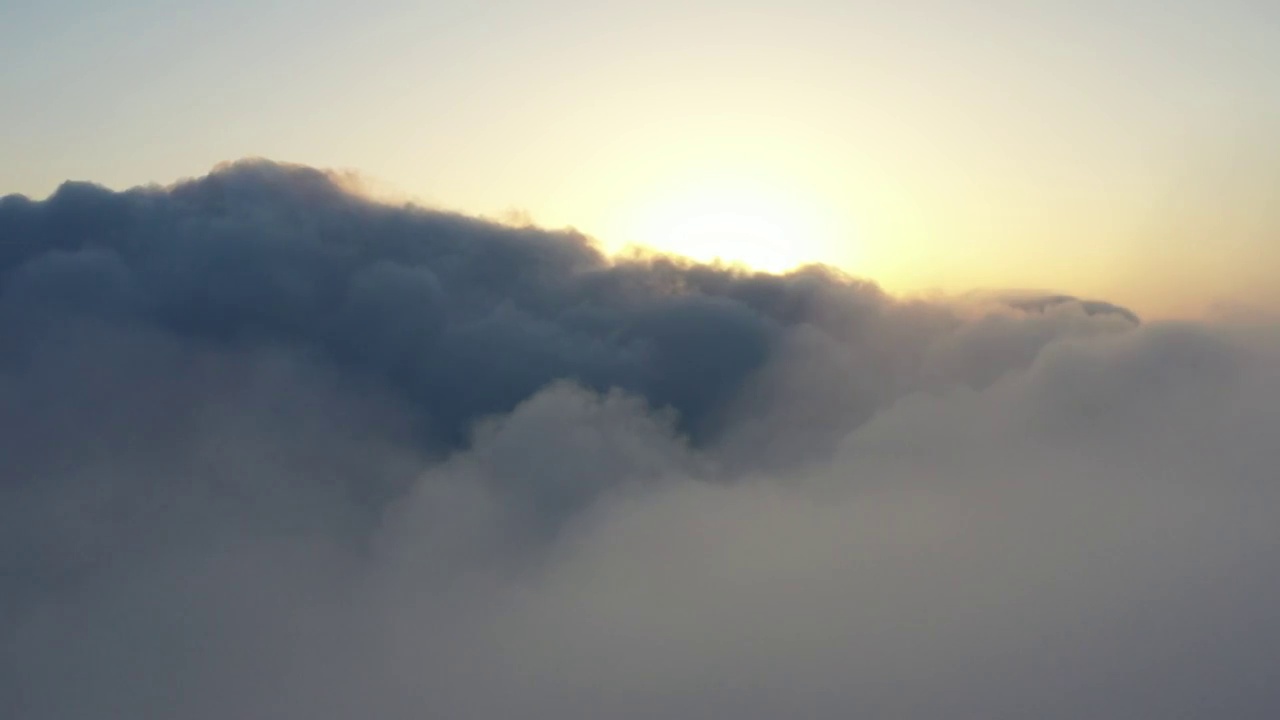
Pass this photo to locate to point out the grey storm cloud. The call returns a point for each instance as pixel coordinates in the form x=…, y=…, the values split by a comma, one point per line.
x=273, y=449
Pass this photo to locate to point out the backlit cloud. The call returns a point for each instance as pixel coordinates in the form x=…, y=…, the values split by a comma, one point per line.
x=273, y=449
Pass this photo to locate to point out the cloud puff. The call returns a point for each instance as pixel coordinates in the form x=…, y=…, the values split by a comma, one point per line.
x=275, y=450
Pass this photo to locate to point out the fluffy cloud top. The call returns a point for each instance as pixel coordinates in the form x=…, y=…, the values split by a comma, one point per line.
x=275, y=450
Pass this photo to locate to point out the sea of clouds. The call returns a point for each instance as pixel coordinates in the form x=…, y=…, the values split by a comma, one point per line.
x=271, y=449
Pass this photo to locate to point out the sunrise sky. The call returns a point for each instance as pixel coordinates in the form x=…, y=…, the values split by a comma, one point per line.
x=1123, y=150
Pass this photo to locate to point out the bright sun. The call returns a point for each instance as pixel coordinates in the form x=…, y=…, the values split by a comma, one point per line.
x=731, y=223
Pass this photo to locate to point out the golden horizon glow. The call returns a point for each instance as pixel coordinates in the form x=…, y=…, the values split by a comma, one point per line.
x=730, y=220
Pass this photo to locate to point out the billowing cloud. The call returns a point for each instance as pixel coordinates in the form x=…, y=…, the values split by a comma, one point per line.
x=276, y=450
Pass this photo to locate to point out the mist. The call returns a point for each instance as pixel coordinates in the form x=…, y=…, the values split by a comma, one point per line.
x=274, y=449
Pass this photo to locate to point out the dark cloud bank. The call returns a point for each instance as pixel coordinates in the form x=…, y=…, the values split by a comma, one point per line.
x=272, y=450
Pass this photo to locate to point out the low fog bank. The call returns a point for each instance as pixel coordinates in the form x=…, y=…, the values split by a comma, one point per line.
x=276, y=450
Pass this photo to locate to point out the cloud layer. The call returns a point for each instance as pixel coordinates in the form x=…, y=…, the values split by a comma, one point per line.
x=275, y=450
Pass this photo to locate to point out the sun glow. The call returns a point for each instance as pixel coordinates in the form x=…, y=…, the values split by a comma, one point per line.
x=730, y=222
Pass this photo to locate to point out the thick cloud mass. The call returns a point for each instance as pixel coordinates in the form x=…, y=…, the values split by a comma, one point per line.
x=273, y=450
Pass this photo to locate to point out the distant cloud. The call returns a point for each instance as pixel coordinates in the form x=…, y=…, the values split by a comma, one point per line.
x=273, y=449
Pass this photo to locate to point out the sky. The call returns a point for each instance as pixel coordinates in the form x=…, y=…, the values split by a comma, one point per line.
x=1122, y=150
